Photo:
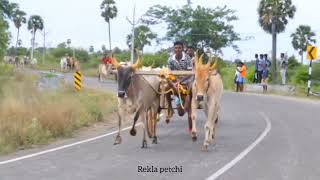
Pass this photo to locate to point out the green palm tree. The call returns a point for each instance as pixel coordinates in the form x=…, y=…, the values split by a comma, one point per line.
x=273, y=18
x=143, y=36
x=19, y=18
x=109, y=11
x=302, y=38
x=7, y=9
x=35, y=23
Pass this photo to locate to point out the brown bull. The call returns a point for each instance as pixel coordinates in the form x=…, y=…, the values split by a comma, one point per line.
x=71, y=63
x=207, y=89
x=137, y=97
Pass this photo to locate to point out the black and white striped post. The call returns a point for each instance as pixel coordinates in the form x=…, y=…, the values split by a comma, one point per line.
x=309, y=79
x=311, y=55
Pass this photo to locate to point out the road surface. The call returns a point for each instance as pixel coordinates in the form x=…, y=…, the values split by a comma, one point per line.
x=258, y=138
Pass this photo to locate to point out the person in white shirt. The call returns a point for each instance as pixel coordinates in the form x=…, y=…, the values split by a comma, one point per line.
x=283, y=68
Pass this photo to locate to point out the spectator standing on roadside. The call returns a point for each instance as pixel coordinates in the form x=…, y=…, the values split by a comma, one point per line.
x=267, y=61
x=260, y=68
x=265, y=76
x=243, y=74
x=255, y=79
x=283, y=68
x=237, y=77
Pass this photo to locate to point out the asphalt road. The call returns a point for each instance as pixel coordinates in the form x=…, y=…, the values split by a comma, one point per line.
x=289, y=149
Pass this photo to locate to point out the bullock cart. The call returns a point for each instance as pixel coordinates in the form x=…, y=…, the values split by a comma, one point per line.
x=175, y=86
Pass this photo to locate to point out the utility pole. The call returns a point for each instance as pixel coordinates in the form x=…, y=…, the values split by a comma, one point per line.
x=44, y=45
x=32, y=42
x=133, y=23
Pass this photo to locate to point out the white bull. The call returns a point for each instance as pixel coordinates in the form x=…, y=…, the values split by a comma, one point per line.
x=8, y=59
x=63, y=64
x=104, y=70
x=207, y=89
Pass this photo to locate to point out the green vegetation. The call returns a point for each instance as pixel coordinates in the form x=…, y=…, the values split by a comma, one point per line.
x=198, y=27
x=31, y=117
x=302, y=38
x=143, y=36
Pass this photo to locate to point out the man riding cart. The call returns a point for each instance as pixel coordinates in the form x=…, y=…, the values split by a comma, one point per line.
x=180, y=86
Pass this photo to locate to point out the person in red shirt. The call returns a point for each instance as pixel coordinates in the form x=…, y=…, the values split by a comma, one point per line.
x=106, y=60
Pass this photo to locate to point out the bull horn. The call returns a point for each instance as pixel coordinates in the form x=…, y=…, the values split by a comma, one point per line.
x=201, y=59
x=138, y=63
x=115, y=63
x=197, y=58
x=215, y=65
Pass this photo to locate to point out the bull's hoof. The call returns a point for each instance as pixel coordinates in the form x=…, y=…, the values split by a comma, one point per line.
x=167, y=121
x=205, y=148
x=144, y=144
x=217, y=120
x=181, y=112
x=194, y=138
x=133, y=132
x=155, y=140
x=118, y=140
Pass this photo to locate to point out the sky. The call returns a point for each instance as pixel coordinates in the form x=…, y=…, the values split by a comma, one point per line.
x=80, y=21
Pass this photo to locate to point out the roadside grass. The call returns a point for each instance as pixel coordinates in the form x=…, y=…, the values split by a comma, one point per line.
x=31, y=117
x=227, y=74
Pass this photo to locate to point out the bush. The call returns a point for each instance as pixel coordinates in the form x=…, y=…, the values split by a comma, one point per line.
x=228, y=74
x=250, y=73
x=60, y=52
x=293, y=63
x=300, y=75
x=6, y=70
x=316, y=71
x=82, y=55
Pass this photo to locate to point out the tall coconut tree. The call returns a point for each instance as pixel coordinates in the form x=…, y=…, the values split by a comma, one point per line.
x=35, y=23
x=7, y=9
x=274, y=15
x=302, y=38
x=19, y=18
x=109, y=11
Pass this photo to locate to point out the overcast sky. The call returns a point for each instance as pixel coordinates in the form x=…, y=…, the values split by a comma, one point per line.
x=80, y=21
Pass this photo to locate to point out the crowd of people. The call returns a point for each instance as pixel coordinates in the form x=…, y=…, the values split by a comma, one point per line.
x=262, y=71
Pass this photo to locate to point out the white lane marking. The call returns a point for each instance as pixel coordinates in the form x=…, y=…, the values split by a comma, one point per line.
x=62, y=147
x=245, y=152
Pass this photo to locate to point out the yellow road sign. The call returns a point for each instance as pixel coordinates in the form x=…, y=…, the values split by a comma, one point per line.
x=77, y=80
x=312, y=52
